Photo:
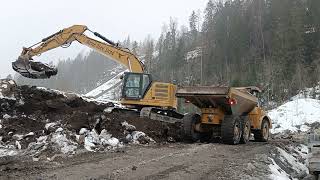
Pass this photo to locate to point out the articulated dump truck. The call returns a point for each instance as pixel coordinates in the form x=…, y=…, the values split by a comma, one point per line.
x=231, y=114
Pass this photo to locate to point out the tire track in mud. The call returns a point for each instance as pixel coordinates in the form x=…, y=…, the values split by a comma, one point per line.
x=157, y=159
x=169, y=161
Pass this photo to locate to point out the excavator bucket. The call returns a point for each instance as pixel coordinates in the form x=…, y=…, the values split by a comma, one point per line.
x=32, y=69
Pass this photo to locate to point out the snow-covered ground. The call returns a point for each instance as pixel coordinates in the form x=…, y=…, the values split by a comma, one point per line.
x=296, y=114
x=289, y=163
x=60, y=140
x=313, y=93
x=293, y=115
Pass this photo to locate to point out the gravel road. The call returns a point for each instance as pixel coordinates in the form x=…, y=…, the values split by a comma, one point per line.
x=169, y=161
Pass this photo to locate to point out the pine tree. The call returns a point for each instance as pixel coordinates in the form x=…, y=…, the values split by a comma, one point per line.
x=193, y=23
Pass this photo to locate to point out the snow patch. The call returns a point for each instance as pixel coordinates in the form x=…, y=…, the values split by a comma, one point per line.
x=83, y=131
x=42, y=139
x=7, y=152
x=49, y=125
x=295, y=164
x=313, y=93
x=128, y=126
x=51, y=90
x=59, y=129
x=108, y=110
x=6, y=116
x=106, y=91
x=65, y=145
x=93, y=141
x=138, y=137
x=293, y=114
x=18, y=144
x=276, y=172
x=29, y=134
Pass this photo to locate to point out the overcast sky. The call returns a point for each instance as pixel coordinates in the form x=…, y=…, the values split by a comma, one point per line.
x=24, y=22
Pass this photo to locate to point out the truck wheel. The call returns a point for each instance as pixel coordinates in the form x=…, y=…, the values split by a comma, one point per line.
x=262, y=135
x=206, y=137
x=189, y=123
x=246, y=126
x=231, y=130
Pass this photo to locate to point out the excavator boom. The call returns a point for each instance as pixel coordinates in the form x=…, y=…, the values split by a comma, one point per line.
x=37, y=70
x=138, y=90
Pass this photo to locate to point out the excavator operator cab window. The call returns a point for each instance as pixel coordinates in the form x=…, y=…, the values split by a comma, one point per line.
x=135, y=85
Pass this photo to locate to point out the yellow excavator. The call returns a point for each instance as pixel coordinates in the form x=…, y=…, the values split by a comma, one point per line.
x=139, y=91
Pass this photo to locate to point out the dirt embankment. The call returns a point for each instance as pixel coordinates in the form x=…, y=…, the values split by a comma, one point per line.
x=30, y=109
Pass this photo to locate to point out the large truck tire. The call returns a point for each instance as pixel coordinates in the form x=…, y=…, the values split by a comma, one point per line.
x=246, y=129
x=231, y=130
x=189, y=122
x=206, y=137
x=262, y=135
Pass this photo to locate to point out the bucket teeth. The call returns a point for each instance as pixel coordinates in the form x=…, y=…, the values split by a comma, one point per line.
x=34, y=70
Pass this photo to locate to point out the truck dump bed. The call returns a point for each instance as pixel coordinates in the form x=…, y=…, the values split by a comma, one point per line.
x=235, y=100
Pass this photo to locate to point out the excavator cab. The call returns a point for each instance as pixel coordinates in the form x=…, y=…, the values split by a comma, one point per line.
x=32, y=69
x=135, y=85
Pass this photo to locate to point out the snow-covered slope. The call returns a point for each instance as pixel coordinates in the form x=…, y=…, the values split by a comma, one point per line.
x=111, y=89
x=108, y=90
x=302, y=109
x=313, y=93
x=294, y=114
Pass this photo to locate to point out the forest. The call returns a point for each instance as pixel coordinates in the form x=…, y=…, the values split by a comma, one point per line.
x=272, y=44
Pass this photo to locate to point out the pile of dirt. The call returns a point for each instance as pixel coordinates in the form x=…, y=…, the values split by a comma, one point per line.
x=157, y=130
x=35, y=118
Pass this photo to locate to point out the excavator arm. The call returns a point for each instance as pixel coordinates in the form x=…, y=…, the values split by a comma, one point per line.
x=37, y=70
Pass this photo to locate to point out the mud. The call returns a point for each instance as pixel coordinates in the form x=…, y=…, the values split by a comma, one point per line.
x=159, y=131
x=170, y=161
x=31, y=108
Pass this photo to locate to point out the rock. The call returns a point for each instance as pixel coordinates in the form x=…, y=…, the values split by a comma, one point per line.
x=6, y=116
x=81, y=139
x=108, y=109
x=308, y=177
x=17, y=137
x=134, y=168
x=141, y=137
x=83, y=131
x=171, y=139
x=50, y=126
x=18, y=145
x=59, y=129
x=128, y=126
x=300, y=175
x=8, y=88
x=250, y=167
x=54, y=104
